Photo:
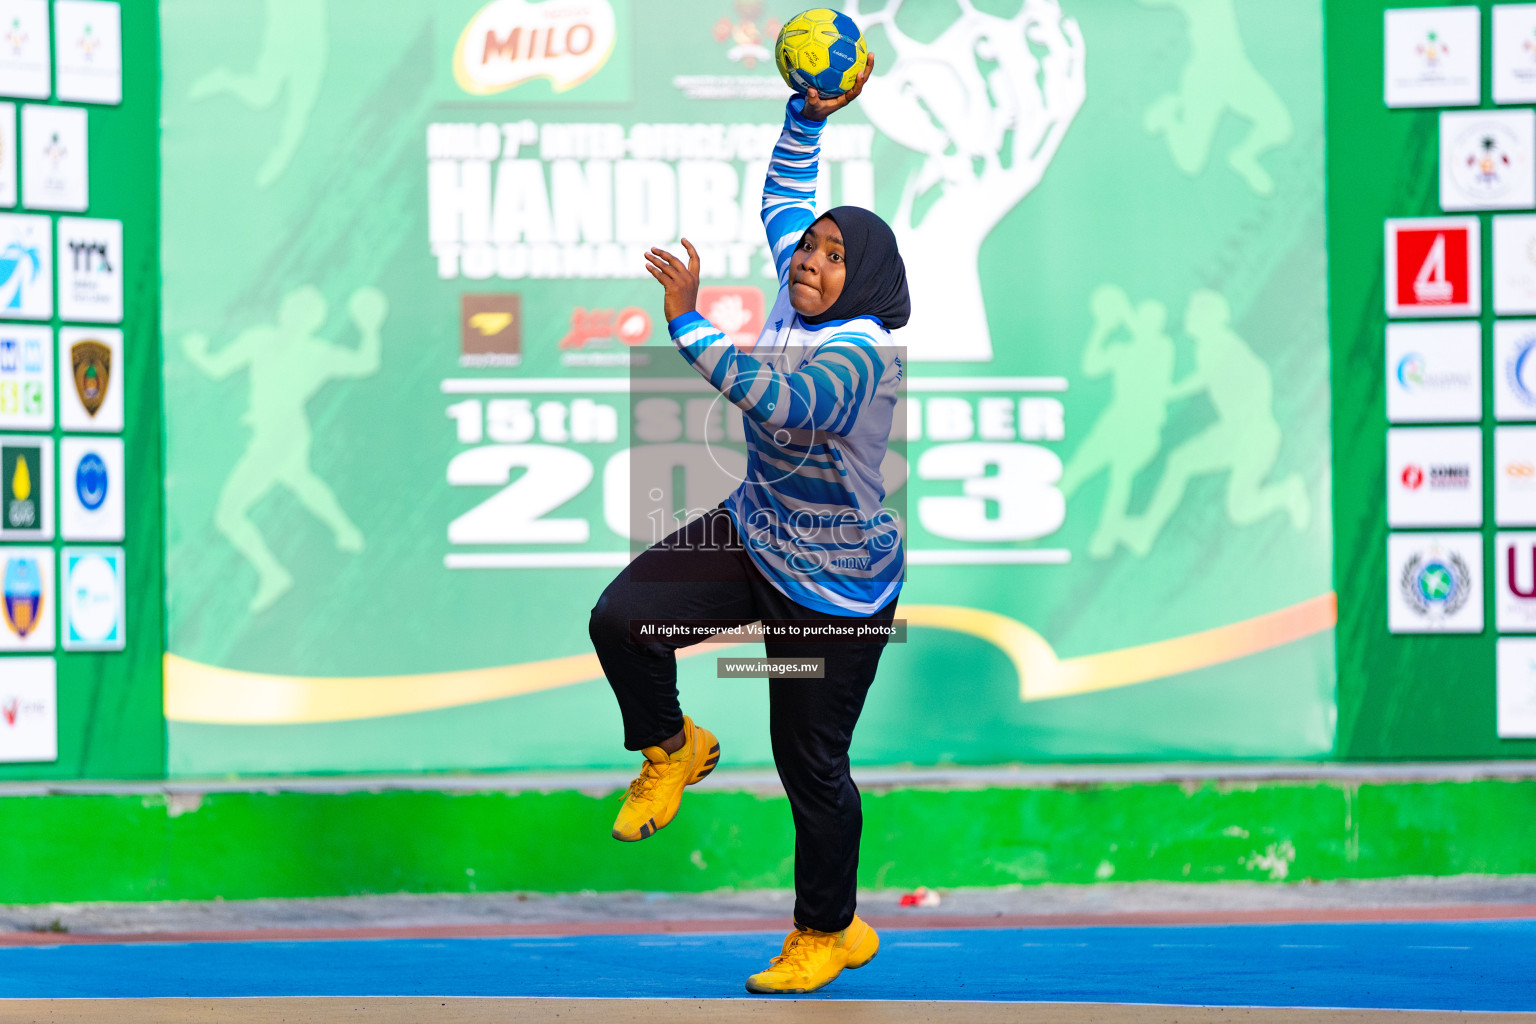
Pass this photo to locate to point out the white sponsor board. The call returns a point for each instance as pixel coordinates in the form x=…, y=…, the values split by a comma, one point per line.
x=90, y=378
x=26, y=377
x=54, y=162
x=1514, y=370
x=1433, y=57
x=8, y=192
x=1516, y=699
x=1514, y=53
x=89, y=50
x=1434, y=582
x=92, y=594
x=29, y=717
x=91, y=270
x=26, y=487
x=1434, y=372
x=91, y=488
x=1514, y=264
x=24, y=69
x=1514, y=481
x=1488, y=160
x=28, y=599
x=26, y=267
x=1514, y=591
x=1434, y=476
x=1434, y=266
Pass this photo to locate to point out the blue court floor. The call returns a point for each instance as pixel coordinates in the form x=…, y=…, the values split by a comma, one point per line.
x=1474, y=965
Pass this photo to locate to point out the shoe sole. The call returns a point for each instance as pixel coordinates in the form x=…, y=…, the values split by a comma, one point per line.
x=801, y=991
x=651, y=827
x=789, y=991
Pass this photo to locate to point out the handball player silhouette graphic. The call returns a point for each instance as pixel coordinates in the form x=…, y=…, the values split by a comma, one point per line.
x=288, y=366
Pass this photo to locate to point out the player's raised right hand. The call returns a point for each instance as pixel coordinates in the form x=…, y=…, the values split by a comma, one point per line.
x=817, y=108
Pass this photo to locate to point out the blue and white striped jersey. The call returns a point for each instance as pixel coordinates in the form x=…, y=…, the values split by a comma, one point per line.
x=817, y=404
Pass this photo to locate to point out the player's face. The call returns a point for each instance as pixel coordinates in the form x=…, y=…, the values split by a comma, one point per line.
x=817, y=269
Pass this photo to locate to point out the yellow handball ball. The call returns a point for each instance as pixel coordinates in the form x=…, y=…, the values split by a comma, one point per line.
x=821, y=49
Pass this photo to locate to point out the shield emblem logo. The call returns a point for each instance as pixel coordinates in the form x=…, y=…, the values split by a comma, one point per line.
x=23, y=606
x=93, y=372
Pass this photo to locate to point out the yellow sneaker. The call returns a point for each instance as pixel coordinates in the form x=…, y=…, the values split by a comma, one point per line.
x=812, y=959
x=653, y=798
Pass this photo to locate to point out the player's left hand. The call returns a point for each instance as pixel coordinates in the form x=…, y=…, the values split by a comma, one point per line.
x=818, y=108
x=680, y=281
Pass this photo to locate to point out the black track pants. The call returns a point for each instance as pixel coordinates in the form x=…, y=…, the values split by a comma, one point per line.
x=702, y=573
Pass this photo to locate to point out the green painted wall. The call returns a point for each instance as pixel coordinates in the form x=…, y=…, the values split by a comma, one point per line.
x=245, y=845
x=110, y=720
x=1405, y=696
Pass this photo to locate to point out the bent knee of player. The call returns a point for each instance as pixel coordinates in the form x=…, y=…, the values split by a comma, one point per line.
x=607, y=626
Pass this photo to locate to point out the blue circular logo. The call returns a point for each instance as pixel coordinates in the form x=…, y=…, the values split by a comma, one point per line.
x=91, y=481
x=1519, y=370
x=1410, y=371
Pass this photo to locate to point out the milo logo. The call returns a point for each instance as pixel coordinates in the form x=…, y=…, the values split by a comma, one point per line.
x=510, y=42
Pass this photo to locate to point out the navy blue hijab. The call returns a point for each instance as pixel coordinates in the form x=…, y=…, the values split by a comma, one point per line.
x=875, y=283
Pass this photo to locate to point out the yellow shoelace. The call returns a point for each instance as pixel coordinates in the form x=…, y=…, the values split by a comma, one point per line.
x=650, y=774
x=803, y=946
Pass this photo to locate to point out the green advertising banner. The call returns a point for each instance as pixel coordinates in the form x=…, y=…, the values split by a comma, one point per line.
x=404, y=301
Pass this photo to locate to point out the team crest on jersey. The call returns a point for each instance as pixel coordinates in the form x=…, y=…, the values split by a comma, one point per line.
x=93, y=373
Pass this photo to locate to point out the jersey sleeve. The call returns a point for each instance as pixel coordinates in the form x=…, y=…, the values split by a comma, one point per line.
x=789, y=193
x=827, y=393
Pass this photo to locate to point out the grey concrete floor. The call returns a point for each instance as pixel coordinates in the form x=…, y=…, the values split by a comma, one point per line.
x=405, y=910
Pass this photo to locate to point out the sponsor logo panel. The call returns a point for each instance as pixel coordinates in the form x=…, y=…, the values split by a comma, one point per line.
x=509, y=43
x=93, y=599
x=1514, y=370
x=26, y=267
x=1434, y=266
x=1433, y=57
x=91, y=270
x=1486, y=160
x=24, y=56
x=603, y=337
x=491, y=330
x=1514, y=485
x=26, y=487
x=1514, y=264
x=26, y=377
x=91, y=398
x=1514, y=573
x=8, y=180
x=27, y=599
x=1434, y=476
x=29, y=710
x=91, y=481
x=1434, y=372
x=89, y=51
x=1434, y=582
x=1516, y=687
x=53, y=158
x=1514, y=53
x=738, y=312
